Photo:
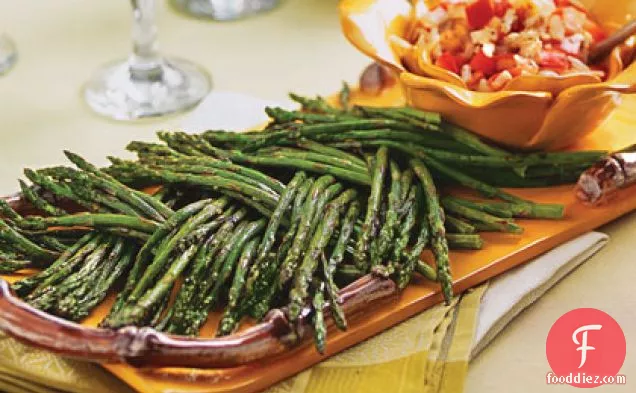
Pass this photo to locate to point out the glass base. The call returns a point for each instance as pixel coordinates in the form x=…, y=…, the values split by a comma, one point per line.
x=177, y=86
x=223, y=10
x=8, y=54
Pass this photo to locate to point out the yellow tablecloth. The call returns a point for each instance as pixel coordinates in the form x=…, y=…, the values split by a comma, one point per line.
x=427, y=354
x=24, y=369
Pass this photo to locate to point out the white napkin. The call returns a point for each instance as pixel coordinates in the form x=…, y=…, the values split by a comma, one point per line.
x=514, y=291
x=507, y=295
x=229, y=111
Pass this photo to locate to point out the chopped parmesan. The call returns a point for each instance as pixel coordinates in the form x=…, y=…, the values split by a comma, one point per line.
x=531, y=49
x=466, y=73
x=573, y=43
x=549, y=73
x=535, y=21
x=434, y=17
x=528, y=42
x=509, y=20
x=488, y=49
x=556, y=27
x=544, y=8
x=483, y=86
x=528, y=66
x=573, y=19
x=484, y=36
x=500, y=80
x=578, y=65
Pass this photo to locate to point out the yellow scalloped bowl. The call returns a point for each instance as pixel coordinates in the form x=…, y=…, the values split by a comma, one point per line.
x=532, y=113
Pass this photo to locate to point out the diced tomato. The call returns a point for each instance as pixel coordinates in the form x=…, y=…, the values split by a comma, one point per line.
x=484, y=64
x=479, y=13
x=461, y=60
x=500, y=7
x=500, y=37
x=562, y=3
x=522, y=15
x=551, y=42
x=554, y=60
x=595, y=30
x=505, y=62
x=517, y=26
x=448, y=62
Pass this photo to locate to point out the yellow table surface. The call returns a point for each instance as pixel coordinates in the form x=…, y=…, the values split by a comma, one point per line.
x=297, y=47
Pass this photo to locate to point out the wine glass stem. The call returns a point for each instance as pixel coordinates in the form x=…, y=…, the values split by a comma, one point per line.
x=145, y=62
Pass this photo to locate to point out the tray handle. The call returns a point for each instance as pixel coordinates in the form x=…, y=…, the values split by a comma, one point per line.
x=146, y=347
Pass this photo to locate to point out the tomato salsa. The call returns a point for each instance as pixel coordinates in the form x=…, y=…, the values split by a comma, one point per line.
x=490, y=42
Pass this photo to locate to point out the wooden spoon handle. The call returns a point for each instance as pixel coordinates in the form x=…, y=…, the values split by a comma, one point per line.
x=605, y=47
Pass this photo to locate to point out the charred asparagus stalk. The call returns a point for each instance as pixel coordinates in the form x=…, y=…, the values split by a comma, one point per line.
x=227, y=259
x=92, y=221
x=199, y=276
x=337, y=256
x=25, y=246
x=11, y=263
x=146, y=251
x=386, y=236
x=436, y=224
x=150, y=207
x=297, y=185
x=412, y=258
x=344, y=97
x=320, y=328
x=40, y=203
x=458, y=225
x=26, y=285
x=304, y=229
x=321, y=238
x=288, y=153
x=371, y=221
x=282, y=116
x=46, y=296
x=327, y=150
x=487, y=221
x=261, y=291
x=230, y=318
x=518, y=210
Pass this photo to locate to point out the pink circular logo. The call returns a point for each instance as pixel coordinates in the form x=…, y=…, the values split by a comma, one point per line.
x=585, y=348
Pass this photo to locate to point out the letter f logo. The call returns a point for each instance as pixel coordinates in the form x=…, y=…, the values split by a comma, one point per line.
x=583, y=344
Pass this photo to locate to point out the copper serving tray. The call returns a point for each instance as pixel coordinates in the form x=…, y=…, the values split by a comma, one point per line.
x=263, y=354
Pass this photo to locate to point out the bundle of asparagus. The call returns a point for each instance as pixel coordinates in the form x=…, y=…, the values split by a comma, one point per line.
x=347, y=192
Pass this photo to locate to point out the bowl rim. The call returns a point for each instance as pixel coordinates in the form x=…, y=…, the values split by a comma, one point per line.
x=470, y=98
